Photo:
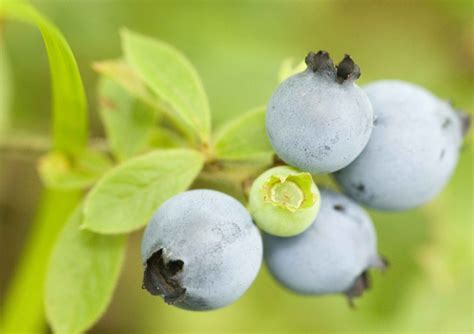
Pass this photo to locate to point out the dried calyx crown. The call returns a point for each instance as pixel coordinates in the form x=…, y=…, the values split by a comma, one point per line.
x=466, y=121
x=161, y=278
x=363, y=282
x=321, y=62
x=464, y=118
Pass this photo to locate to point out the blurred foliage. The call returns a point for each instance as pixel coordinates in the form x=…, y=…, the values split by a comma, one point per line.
x=237, y=48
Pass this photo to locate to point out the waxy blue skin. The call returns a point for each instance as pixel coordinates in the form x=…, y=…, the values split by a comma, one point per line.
x=413, y=150
x=214, y=236
x=317, y=124
x=331, y=254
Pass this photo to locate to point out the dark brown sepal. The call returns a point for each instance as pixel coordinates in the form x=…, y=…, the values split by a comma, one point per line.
x=363, y=281
x=382, y=263
x=361, y=284
x=347, y=70
x=320, y=62
x=159, y=278
x=466, y=121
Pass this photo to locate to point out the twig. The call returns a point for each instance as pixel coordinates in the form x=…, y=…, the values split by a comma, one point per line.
x=30, y=146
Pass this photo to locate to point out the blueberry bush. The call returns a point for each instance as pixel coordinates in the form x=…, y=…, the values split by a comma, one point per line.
x=159, y=142
x=161, y=145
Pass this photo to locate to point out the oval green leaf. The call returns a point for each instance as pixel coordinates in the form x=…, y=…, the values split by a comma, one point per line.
x=69, y=102
x=126, y=197
x=118, y=70
x=58, y=171
x=173, y=79
x=82, y=274
x=121, y=113
x=244, y=138
x=162, y=137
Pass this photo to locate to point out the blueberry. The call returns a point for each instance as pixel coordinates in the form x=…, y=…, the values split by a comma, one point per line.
x=413, y=150
x=319, y=120
x=331, y=256
x=284, y=201
x=201, y=250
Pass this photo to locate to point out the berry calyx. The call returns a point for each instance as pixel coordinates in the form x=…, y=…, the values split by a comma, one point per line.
x=322, y=63
x=291, y=192
x=284, y=201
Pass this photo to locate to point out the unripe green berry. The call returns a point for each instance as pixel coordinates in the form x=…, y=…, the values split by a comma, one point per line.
x=284, y=201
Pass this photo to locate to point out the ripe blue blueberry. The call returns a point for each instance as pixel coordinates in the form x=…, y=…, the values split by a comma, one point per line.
x=332, y=255
x=413, y=150
x=319, y=120
x=201, y=250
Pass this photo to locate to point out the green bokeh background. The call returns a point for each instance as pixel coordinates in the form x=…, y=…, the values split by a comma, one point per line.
x=237, y=47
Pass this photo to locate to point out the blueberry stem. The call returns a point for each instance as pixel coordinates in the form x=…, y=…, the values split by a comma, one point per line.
x=23, y=303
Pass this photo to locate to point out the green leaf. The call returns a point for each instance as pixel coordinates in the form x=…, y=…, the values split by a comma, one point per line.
x=57, y=171
x=165, y=138
x=120, y=72
x=173, y=79
x=289, y=68
x=128, y=122
x=126, y=197
x=82, y=274
x=244, y=138
x=69, y=101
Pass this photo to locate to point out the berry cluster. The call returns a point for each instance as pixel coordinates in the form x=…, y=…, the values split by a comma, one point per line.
x=391, y=146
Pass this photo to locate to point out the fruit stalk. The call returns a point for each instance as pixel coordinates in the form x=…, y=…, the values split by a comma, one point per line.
x=23, y=309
